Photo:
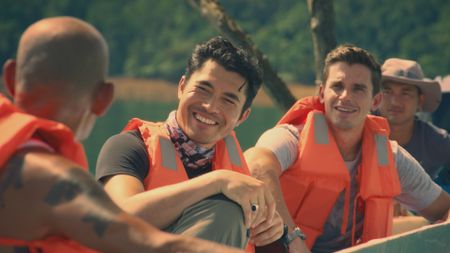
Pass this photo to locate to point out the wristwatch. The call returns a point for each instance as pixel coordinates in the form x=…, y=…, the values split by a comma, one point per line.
x=289, y=237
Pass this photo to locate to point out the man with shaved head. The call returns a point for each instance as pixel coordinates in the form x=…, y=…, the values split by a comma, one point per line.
x=63, y=62
x=47, y=202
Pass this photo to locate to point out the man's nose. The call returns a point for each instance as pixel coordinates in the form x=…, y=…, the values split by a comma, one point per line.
x=394, y=99
x=211, y=105
x=345, y=94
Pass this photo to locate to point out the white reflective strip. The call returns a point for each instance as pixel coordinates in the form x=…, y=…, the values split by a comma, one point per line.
x=168, y=153
x=320, y=129
x=232, y=151
x=382, y=153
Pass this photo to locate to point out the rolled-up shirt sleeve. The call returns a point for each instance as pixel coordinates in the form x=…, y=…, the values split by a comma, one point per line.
x=282, y=140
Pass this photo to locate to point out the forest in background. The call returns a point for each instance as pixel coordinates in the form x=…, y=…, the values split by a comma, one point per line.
x=153, y=39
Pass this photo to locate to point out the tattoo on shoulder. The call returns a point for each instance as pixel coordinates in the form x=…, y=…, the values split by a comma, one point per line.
x=11, y=178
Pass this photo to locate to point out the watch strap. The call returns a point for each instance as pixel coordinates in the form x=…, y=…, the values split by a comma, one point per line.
x=288, y=237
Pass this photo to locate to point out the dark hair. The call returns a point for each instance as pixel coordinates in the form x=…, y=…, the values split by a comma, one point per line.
x=354, y=55
x=233, y=59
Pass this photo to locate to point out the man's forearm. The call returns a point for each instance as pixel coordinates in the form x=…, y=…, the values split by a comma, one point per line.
x=264, y=166
x=164, y=205
x=438, y=209
x=271, y=179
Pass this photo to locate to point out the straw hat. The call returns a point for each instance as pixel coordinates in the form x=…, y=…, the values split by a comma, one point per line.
x=409, y=72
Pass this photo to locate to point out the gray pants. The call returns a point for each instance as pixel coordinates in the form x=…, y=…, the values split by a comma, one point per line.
x=216, y=219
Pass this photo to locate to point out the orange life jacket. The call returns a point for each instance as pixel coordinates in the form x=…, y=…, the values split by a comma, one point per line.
x=166, y=165
x=314, y=182
x=16, y=128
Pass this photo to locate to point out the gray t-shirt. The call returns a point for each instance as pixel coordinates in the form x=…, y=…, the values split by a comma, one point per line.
x=430, y=146
x=418, y=190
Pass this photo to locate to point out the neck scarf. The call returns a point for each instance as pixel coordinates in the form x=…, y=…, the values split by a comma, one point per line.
x=193, y=156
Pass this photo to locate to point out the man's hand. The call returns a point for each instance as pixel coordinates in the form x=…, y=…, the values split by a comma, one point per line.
x=267, y=232
x=245, y=191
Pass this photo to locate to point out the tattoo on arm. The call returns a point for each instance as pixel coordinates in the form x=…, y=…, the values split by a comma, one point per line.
x=93, y=190
x=100, y=224
x=12, y=177
x=62, y=191
x=77, y=182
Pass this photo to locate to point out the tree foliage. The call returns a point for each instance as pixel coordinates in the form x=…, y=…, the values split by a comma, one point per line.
x=150, y=38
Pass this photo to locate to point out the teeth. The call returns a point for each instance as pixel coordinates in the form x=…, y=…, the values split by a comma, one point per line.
x=345, y=109
x=205, y=120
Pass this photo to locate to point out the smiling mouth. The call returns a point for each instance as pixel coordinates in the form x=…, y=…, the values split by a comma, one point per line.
x=204, y=120
x=345, y=109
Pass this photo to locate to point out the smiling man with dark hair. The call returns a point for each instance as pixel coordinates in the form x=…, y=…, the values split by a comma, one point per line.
x=191, y=166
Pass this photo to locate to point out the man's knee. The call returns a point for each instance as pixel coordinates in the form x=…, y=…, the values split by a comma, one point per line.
x=216, y=219
x=227, y=216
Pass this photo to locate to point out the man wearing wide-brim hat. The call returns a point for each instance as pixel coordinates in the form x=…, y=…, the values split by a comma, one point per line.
x=405, y=92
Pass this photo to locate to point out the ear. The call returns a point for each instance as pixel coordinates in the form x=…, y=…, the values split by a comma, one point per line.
x=243, y=117
x=376, y=101
x=181, y=86
x=321, y=95
x=9, y=76
x=103, y=98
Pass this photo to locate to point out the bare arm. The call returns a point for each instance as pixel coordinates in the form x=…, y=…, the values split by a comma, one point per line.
x=53, y=196
x=436, y=212
x=129, y=193
x=438, y=209
x=264, y=165
x=419, y=192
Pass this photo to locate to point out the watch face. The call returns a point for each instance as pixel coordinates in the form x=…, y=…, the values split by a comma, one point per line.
x=297, y=232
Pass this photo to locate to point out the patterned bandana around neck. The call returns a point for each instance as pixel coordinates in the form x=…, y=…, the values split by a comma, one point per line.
x=192, y=155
